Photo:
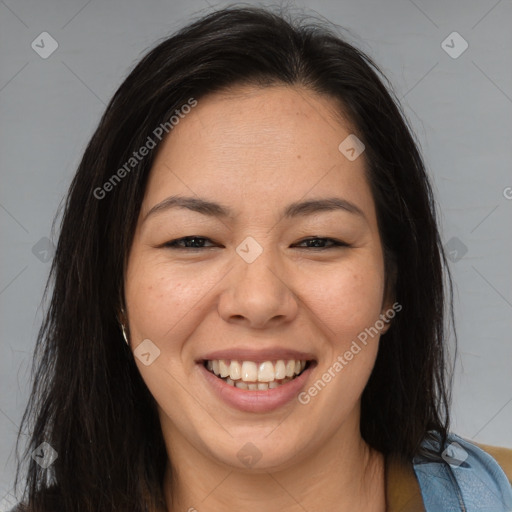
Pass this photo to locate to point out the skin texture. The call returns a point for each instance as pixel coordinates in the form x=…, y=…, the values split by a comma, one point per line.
x=256, y=150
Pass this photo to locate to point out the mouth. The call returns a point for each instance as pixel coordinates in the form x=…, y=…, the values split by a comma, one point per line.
x=256, y=381
x=257, y=376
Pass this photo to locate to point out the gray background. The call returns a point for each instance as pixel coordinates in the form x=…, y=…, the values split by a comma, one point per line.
x=460, y=109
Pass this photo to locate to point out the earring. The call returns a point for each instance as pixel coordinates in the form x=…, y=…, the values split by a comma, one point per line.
x=121, y=324
x=124, y=334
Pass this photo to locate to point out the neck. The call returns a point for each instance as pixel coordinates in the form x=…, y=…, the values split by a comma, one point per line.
x=344, y=475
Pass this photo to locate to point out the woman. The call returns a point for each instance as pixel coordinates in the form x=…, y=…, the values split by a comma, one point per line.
x=253, y=218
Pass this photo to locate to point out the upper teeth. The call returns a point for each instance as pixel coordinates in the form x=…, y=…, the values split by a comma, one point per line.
x=249, y=371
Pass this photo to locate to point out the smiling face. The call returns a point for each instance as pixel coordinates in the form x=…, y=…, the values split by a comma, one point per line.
x=251, y=288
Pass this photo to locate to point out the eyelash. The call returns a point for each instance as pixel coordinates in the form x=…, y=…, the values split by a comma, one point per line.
x=173, y=244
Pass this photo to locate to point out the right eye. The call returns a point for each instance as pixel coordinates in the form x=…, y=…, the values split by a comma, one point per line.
x=175, y=244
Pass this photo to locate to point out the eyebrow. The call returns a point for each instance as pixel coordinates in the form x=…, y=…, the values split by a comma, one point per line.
x=296, y=209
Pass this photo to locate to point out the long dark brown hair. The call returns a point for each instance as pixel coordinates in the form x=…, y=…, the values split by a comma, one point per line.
x=88, y=399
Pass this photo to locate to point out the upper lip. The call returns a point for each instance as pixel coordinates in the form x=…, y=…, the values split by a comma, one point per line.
x=269, y=354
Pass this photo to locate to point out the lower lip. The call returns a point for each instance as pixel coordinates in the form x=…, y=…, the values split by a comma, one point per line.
x=256, y=401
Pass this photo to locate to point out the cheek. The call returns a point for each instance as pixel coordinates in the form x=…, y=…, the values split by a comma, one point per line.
x=348, y=305
x=350, y=299
x=160, y=297
x=164, y=307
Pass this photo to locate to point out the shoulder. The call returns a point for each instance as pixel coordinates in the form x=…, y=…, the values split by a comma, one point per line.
x=467, y=474
x=502, y=455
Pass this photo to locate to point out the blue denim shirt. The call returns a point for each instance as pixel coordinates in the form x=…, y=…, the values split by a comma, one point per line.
x=467, y=480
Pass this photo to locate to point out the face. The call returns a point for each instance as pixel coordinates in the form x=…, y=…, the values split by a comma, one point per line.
x=262, y=291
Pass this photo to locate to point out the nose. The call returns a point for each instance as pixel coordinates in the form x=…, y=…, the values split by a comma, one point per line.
x=258, y=294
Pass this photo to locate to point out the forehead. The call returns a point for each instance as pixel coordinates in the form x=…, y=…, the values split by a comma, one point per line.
x=251, y=144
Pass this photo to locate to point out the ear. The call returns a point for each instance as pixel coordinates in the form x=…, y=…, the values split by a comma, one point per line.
x=387, y=323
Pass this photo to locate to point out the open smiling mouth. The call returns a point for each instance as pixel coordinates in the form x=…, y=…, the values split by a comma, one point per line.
x=249, y=375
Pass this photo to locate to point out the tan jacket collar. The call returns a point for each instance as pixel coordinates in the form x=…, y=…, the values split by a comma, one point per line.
x=403, y=492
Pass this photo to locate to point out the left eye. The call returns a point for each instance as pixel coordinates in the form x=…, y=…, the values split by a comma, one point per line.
x=334, y=243
x=176, y=244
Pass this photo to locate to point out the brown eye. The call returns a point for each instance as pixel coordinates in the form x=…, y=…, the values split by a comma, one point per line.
x=197, y=242
x=316, y=245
